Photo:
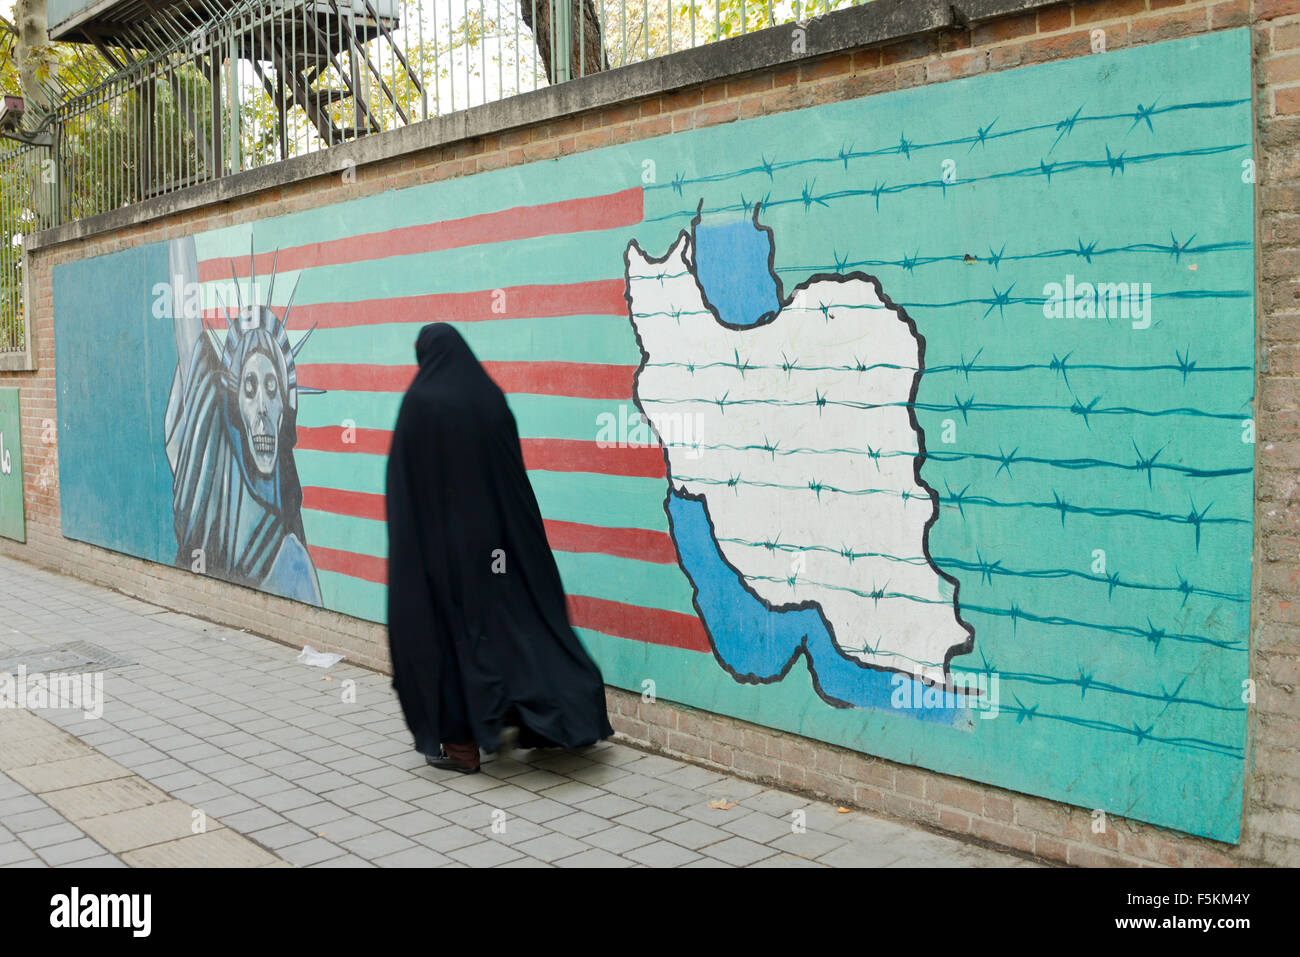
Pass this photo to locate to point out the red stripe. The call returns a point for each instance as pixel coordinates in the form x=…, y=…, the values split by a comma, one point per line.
x=366, y=567
x=581, y=380
x=541, y=455
x=651, y=625
x=341, y=502
x=637, y=543
x=600, y=297
x=574, y=455
x=336, y=438
x=611, y=211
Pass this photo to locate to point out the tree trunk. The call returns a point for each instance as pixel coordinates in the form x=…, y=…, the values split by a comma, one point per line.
x=32, y=55
x=31, y=52
x=587, y=50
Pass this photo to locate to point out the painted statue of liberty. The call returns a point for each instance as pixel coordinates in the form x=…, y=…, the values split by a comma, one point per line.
x=231, y=426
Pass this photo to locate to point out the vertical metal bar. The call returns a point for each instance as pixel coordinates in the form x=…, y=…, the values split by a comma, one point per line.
x=451, y=53
x=562, y=40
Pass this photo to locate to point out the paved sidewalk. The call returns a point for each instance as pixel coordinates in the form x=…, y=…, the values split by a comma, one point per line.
x=217, y=748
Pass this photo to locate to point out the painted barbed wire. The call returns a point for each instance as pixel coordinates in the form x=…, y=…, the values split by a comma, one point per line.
x=989, y=569
x=982, y=136
x=1196, y=518
x=808, y=198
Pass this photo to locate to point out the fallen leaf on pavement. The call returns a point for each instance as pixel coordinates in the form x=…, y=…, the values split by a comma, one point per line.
x=722, y=804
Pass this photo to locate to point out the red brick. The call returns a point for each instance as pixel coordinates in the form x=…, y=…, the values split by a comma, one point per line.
x=1286, y=36
x=1233, y=14
x=1002, y=834
x=1107, y=10
x=1004, y=28
x=826, y=66
x=1287, y=102
x=754, y=83
x=1271, y=9
x=1056, y=47
x=1167, y=26
x=954, y=821
x=1050, y=848
x=1057, y=18
x=954, y=795
x=721, y=113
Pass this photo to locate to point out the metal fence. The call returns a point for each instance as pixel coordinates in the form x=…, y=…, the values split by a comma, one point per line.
x=212, y=87
x=271, y=79
x=25, y=175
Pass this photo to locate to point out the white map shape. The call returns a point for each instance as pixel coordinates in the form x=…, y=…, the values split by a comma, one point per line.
x=772, y=429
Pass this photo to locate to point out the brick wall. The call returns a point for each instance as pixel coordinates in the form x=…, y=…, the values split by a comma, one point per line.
x=1056, y=832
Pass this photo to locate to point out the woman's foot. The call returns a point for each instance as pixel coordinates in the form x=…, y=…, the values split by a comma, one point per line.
x=456, y=757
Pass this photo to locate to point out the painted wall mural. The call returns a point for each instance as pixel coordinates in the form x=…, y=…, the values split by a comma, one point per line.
x=919, y=424
x=230, y=431
x=13, y=521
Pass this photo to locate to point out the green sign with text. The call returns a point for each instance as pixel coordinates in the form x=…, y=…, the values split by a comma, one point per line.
x=12, y=524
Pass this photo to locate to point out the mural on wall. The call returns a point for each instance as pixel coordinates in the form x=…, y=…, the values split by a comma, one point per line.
x=920, y=424
x=231, y=425
x=795, y=407
x=13, y=522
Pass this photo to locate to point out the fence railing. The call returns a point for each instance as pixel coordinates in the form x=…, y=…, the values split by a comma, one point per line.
x=272, y=79
x=25, y=186
x=227, y=86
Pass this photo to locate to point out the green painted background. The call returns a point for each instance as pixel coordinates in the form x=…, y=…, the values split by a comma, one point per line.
x=12, y=517
x=1120, y=691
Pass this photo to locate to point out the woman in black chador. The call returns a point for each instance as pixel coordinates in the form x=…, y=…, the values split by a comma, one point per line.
x=477, y=625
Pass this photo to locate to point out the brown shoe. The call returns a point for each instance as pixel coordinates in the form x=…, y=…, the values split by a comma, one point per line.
x=456, y=757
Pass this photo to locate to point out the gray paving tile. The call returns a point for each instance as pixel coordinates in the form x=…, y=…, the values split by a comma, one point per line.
x=42, y=837
x=619, y=839
x=413, y=822
x=70, y=852
x=314, y=851
x=485, y=854
x=661, y=854
x=595, y=857
x=378, y=844
x=346, y=828
x=759, y=827
x=281, y=836
x=739, y=851
x=348, y=860
x=414, y=857
x=649, y=819
x=450, y=838
x=693, y=834
x=542, y=810
x=256, y=819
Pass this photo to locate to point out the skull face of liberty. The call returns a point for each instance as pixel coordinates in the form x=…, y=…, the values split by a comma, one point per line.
x=261, y=408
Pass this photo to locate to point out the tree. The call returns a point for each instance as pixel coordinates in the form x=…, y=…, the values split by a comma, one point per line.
x=586, y=48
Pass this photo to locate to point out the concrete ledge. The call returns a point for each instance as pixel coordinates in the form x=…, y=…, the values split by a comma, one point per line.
x=871, y=24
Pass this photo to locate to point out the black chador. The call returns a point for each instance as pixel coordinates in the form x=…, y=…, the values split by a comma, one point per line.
x=477, y=625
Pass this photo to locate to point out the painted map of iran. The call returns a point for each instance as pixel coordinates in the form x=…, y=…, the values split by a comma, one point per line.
x=796, y=434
